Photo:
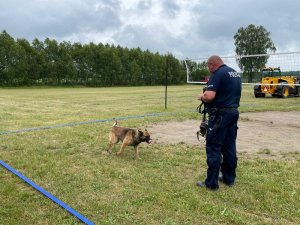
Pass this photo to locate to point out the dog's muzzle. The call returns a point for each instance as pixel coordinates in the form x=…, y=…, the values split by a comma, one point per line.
x=148, y=140
x=203, y=129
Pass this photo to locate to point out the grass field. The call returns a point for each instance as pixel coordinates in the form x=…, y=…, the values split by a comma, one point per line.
x=71, y=162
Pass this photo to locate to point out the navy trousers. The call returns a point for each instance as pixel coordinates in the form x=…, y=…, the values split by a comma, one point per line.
x=221, y=147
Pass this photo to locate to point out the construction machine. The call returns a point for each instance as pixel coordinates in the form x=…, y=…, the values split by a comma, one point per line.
x=278, y=85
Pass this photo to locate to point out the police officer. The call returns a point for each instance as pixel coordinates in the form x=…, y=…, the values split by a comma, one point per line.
x=222, y=98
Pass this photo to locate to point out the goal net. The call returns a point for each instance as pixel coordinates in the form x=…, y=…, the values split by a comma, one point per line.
x=249, y=66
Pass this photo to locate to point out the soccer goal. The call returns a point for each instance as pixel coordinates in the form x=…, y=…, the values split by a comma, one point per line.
x=249, y=66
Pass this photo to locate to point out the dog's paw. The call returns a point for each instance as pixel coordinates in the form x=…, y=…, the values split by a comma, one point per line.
x=119, y=154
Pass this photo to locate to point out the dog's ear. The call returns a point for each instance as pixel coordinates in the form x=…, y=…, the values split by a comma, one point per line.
x=115, y=122
x=147, y=132
x=141, y=133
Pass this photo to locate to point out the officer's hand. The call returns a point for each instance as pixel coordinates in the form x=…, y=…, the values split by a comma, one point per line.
x=200, y=97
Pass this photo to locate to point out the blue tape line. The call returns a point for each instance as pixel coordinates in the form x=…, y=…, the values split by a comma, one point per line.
x=47, y=194
x=93, y=121
x=80, y=123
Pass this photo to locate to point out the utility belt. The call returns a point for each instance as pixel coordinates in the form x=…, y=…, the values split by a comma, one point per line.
x=212, y=116
x=213, y=111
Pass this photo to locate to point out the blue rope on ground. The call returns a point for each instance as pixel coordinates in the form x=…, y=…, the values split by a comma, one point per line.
x=47, y=194
x=80, y=123
x=93, y=121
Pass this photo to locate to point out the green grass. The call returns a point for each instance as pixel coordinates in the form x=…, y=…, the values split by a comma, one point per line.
x=71, y=163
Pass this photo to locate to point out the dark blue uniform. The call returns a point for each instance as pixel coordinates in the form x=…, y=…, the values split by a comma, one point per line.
x=222, y=126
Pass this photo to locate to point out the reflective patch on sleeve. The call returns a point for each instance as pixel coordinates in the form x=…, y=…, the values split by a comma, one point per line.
x=234, y=74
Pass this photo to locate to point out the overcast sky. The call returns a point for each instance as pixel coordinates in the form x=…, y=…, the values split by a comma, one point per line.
x=185, y=28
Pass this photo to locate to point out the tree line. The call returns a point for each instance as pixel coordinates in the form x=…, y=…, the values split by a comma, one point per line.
x=51, y=63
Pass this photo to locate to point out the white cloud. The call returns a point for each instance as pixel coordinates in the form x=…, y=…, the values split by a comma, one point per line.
x=193, y=28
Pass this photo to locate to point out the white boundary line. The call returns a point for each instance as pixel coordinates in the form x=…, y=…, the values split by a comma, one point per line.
x=251, y=84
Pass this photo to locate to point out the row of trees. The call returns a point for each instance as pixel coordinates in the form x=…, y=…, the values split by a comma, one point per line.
x=51, y=63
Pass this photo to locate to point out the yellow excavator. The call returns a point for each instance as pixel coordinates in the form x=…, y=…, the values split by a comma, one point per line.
x=278, y=85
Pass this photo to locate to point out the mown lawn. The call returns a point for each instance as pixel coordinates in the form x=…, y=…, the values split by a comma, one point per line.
x=71, y=163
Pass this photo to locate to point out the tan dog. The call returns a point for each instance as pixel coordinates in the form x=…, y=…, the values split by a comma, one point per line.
x=128, y=136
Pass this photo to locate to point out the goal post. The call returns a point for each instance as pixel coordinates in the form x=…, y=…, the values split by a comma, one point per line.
x=249, y=66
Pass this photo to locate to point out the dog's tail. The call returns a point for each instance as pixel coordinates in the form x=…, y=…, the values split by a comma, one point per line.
x=115, y=122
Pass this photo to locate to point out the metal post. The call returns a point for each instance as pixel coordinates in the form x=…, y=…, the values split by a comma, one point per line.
x=166, y=81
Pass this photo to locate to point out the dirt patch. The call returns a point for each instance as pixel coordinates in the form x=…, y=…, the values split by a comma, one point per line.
x=263, y=134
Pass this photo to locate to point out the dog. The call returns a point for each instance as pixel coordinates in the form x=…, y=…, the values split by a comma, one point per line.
x=128, y=137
